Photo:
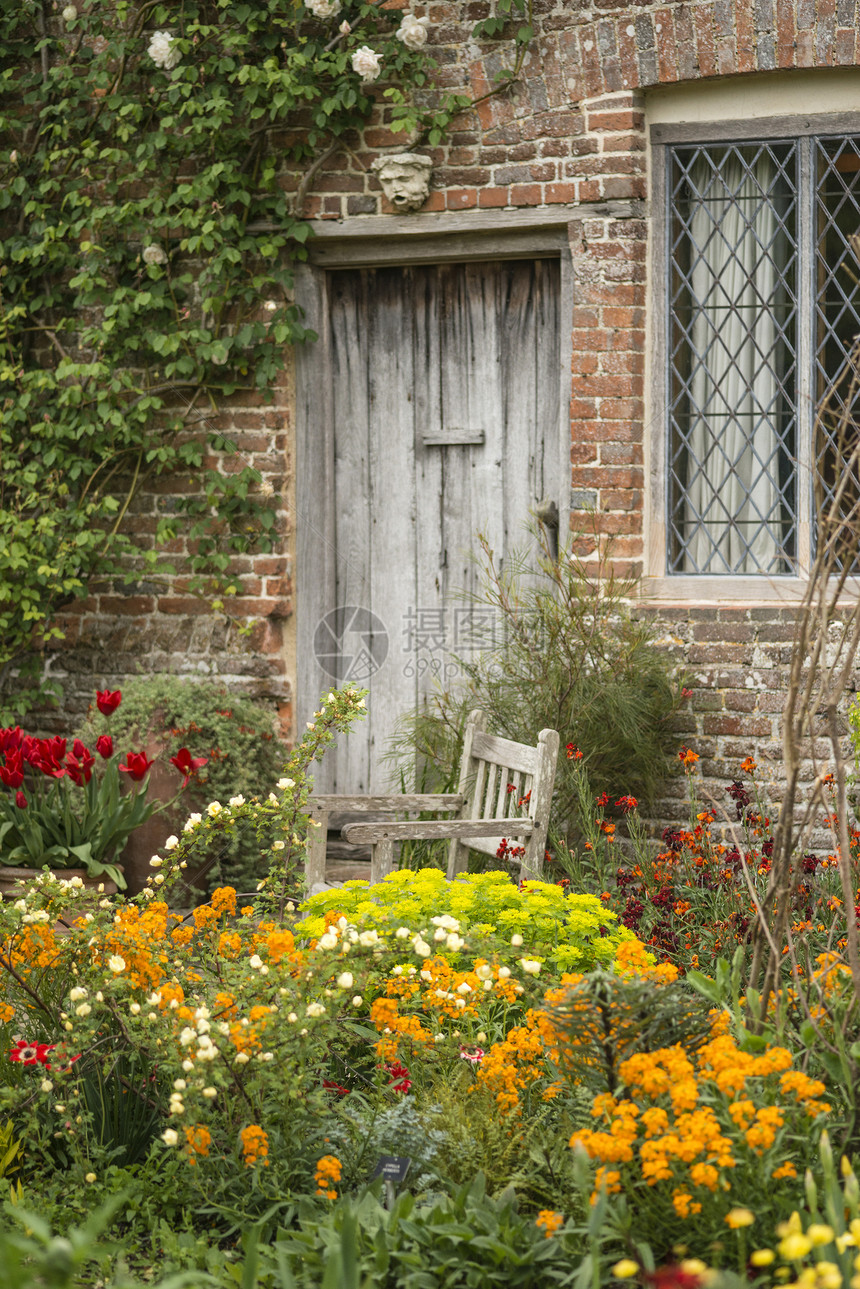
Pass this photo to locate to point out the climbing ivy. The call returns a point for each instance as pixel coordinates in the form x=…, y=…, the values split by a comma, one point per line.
x=154, y=161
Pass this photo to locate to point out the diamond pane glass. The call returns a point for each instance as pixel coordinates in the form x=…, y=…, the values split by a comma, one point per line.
x=732, y=359
x=836, y=163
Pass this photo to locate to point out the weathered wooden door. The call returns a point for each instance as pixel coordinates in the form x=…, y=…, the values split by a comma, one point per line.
x=437, y=417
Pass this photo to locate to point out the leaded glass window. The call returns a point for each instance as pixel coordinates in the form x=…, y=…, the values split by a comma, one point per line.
x=763, y=306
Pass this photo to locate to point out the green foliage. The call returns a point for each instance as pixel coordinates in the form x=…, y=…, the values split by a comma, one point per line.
x=565, y=653
x=463, y=1241
x=151, y=210
x=235, y=733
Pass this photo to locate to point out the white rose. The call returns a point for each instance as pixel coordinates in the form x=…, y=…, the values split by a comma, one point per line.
x=323, y=8
x=516, y=941
x=191, y=822
x=368, y=65
x=278, y=845
x=154, y=254
x=171, y=843
x=530, y=967
x=368, y=938
x=70, y=13
x=242, y=1058
x=237, y=801
x=116, y=963
x=454, y=942
x=421, y=947
x=256, y=962
x=413, y=31
x=210, y=1093
x=170, y=1137
x=161, y=50
x=283, y=784
x=77, y=993
x=315, y=1009
x=345, y=980
x=328, y=941
x=83, y=1009
x=156, y=861
x=213, y=809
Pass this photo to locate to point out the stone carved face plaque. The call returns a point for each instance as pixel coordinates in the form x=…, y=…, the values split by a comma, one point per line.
x=405, y=178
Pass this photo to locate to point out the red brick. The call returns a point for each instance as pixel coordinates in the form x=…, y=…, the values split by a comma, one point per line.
x=461, y=198
x=705, y=45
x=489, y=197
x=560, y=192
x=525, y=195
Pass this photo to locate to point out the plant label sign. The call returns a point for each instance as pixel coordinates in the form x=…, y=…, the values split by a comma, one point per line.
x=393, y=1168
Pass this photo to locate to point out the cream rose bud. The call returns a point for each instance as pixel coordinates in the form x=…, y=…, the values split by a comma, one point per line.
x=170, y=1136
x=345, y=980
x=116, y=963
x=134, y=1009
x=70, y=13
x=323, y=8
x=162, y=52
x=46, y=1085
x=154, y=254
x=344, y=28
x=159, y=878
x=210, y=1093
x=156, y=861
x=367, y=64
x=516, y=941
x=357, y=1000
x=284, y=784
x=530, y=967
x=242, y=1058
x=171, y=843
x=413, y=31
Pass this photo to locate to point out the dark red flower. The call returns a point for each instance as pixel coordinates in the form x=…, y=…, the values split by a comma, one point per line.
x=10, y=739
x=108, y=702
x=137, y=765
x=78, y=767
x=626, y=803
x=573, y=752
x=104, y=746
x=331, y=1086
x=399, y=1076
x=12, y=773
x=31, y=1053
x=20, y=801
x=186, y=764
x=603, y=799
x=673, y=1278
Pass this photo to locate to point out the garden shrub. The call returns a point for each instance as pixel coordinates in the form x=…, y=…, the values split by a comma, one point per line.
x=236, y=735
x=564, y=651
x=567, y=931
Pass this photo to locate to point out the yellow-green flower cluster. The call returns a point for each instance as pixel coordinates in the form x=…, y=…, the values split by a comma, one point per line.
x=573, y=932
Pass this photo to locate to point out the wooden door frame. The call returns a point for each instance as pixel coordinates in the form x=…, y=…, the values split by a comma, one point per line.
x=375, y=242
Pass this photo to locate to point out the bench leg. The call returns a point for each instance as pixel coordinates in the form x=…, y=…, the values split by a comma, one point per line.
x=381, y=860
x=315, y=852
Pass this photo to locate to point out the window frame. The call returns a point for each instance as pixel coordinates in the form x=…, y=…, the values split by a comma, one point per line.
x=658, y=583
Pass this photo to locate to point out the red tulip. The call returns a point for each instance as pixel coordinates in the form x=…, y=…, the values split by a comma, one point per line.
x=20, y=801
x=187, y=764
x=104, y=746
x=12, y=773
x=138, y=764
x=108, y=702
x=10, y=739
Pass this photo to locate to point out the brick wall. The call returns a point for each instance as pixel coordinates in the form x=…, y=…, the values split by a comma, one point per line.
x=569, y=134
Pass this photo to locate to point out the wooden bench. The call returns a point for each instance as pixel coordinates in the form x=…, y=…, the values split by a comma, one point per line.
x=504, y=791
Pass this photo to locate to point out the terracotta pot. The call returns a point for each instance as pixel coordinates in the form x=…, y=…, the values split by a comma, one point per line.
x=13, y=880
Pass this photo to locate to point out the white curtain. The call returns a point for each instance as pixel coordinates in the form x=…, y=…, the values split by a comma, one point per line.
x=733, y=389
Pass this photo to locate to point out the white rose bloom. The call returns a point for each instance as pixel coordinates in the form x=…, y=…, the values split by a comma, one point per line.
x=504, y=972
x=171, y=843
x=516, y=941
x=368, y=65
x=77, y=993
x=135, y=1009
x=421, y=947
x=170, y=1137
x=328, y=941
x=278, y=845
x=368, y=938
x=345, y=980
x=159, y=878
x=256, y=962
x=70, y=13
x=530, y=967
x=237, y=801
x=156, y=861
x=154, y=254
x=284, y=784
x=161, y=50
x=191, y=822
x=187, y=1036
x=357, y=1000
x=242, y=1058
x=213, y=809
x=484, y=971
x=464, y=988
x=116, y=963
x=454, y=942
x=413, y=31
x=323, y=8
x=210, y=1093
x=146, y=894
x=440, y=934
x=83, y=1009
x=315, y=1009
